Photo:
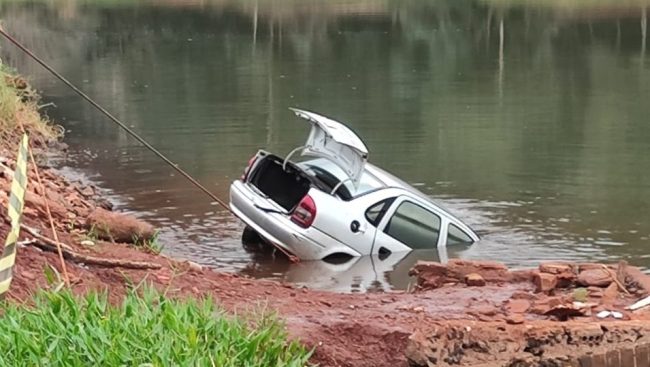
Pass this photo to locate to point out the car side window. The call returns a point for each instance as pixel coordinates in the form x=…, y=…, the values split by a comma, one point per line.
x=376, y=211
x=414, y=226
x=456, y=236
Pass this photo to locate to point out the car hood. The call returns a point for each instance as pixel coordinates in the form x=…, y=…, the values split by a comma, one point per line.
x=336, y=142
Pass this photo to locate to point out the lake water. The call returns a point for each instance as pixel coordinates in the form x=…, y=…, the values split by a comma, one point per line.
x=531, y=122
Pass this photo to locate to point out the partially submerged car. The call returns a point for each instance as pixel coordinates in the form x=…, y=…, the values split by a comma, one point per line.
x=337, y=203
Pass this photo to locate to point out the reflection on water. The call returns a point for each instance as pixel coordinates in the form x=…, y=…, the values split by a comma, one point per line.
x=529, y=121
x=353, y=274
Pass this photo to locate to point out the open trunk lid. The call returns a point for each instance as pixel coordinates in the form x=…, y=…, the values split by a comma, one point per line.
x=336, y=142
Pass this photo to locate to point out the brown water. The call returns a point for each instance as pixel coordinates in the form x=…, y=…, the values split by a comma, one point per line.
x=530, y=122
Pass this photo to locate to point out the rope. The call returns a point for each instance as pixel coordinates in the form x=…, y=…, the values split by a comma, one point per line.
x=135, y=135
x=115, y=120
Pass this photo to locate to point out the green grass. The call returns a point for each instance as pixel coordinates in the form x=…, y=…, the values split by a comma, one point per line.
x=61, y=329
x=151, y=245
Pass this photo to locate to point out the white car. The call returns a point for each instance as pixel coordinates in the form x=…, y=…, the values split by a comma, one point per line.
x=338, y=203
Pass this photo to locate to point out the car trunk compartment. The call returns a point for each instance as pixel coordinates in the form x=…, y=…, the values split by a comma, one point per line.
x=285, y=186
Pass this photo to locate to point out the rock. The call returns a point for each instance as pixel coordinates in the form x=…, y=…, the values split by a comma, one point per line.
x=491, y=271
x=486, y=310
x=565, y=273
x=38, y=202
x=595, y=292
x=119, y=227
x=517, y=305
x=542, y=306
x=524, y=295
x=544, y=282
x=104, y=203
x=74, y=199
x=474, y=280
x=638, y=279
x=610, y=295
x=87, y=243
x=556, y=268
x=595, y=277
x=522, y=275
x=87, y=191
x=418, y=350
x=194, y=266
x=429, y=274
x=428, y=267
x=515, y=319
x=589, y=266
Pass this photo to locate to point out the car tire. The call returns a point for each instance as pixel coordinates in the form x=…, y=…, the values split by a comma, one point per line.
x=249, y=235
x=253, y=242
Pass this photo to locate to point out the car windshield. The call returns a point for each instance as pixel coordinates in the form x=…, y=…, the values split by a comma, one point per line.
x=323, y=167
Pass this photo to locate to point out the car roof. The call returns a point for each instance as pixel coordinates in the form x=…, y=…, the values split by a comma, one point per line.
x=384, y=179
x=390, y=180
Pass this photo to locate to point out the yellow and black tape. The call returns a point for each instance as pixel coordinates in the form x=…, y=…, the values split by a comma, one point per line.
x=15, y=207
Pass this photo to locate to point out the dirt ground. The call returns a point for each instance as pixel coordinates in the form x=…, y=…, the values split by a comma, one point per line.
x=378, y=329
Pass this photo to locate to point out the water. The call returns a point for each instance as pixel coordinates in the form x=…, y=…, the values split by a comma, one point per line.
x=531, y=122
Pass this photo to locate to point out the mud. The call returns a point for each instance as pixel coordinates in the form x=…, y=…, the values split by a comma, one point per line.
x=575, y=343
x=461, y=313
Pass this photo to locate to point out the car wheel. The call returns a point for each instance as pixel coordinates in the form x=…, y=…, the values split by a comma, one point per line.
x=250, y=236
x=253, y=242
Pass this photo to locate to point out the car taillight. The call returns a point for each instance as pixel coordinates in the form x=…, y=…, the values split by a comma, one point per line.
x=248, y=167
x=305, y=213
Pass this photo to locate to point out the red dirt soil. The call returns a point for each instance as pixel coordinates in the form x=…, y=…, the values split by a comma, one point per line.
x=345, y=329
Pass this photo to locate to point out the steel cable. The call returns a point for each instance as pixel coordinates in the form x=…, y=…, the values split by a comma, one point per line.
x=131, y=132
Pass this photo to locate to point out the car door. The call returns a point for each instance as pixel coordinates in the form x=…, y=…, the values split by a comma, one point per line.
x=344, y=221
x=409, y=225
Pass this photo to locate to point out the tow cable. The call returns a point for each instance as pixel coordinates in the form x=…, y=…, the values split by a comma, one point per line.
x=135, y=135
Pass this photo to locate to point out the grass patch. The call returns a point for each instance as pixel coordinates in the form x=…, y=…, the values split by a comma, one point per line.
x=62, y=329
x=19, y=106
x=151, y=245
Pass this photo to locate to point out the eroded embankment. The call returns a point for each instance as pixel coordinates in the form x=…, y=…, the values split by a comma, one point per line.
x=574, y=343
x=461, y=313
x=566, y=315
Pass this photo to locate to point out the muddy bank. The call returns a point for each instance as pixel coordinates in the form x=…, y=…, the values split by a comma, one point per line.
x=571, y=344
x=462, y=313
x=565, y=314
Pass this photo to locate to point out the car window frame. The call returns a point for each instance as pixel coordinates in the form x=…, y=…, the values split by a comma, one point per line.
x=388, y=204
x=463, y=231
x=444, y=219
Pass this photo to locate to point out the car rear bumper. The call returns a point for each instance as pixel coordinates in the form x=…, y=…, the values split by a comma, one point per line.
x=276, y=227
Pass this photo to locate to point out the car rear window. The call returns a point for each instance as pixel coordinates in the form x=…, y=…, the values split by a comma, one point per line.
x=367, y=182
